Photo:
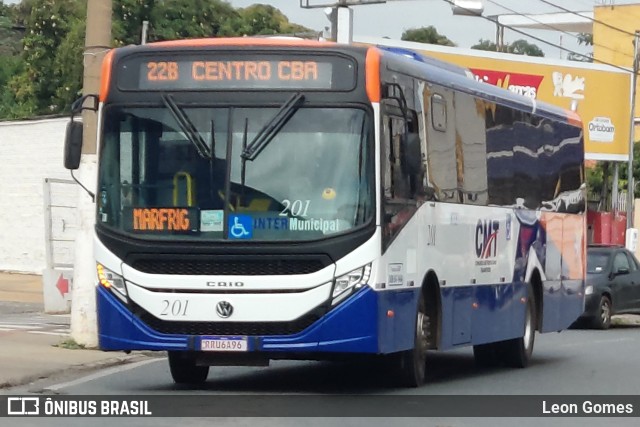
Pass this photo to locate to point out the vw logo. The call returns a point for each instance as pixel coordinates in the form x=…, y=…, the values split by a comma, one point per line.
x=224, y=309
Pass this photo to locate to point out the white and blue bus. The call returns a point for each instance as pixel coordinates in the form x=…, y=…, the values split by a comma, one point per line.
x=262, y=199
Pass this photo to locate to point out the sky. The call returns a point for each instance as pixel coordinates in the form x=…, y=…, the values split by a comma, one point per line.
x=395, y=16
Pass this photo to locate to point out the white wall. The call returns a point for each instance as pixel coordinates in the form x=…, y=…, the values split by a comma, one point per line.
x=30, y=151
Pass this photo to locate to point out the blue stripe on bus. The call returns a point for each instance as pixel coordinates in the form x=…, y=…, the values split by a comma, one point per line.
x=370, y=322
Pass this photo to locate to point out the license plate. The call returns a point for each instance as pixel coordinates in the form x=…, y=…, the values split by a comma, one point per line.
x=223, y=344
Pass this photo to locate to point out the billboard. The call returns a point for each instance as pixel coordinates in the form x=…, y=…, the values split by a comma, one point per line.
x=602, y=92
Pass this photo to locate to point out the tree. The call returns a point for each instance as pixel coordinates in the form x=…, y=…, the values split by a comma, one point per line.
x=48, y=23
x=41, y=73
x=180, y=19
x=518, y=47
x=126, y=20
x=487, y=45
x=426, y=35
x=262, y=19
x=10, y=48
x=523, y=47
x=583, y=39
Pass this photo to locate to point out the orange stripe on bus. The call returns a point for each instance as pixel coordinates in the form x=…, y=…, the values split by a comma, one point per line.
x=239, y=41
x=574, y=118
x=107, y=62
x=373, y=74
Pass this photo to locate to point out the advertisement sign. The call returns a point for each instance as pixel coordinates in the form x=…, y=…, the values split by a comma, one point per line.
x=602, y=92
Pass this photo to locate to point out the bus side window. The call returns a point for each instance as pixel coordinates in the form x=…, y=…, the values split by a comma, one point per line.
x=399, y=182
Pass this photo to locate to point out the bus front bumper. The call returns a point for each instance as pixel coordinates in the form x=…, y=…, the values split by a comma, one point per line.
x=361, y=324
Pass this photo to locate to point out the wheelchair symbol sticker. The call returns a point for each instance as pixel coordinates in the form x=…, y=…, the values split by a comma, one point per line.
x=240, y=227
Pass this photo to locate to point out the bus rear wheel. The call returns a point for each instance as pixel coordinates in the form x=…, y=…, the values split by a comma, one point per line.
x=412, y=363
x=517, y=352
x=184, y=369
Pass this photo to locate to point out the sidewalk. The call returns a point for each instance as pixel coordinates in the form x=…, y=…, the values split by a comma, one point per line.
x=31, y=343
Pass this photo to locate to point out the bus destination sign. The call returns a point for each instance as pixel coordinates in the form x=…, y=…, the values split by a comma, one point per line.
x=246, y=72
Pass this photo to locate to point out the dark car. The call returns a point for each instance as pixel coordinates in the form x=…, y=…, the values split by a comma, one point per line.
x=613, y=285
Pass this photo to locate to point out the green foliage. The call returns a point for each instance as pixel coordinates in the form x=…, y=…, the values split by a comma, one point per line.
x=487, y=45
x=583, y=39
x=41, y=67
x=126, y=21
x=518, y=47
x=180, y=19
x=602, y=174
x=33, y=88
x=261, y=19
x=70, y=344
x=68, y=67
x=426, y=35
x=636, y=171
x=523, y=47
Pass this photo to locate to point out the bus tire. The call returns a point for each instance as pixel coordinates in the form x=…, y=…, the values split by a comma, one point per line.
x=412, y=363
x=517, y=352
x=184, y=369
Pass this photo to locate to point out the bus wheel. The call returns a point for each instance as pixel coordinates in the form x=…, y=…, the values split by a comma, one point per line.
x=184, y=369
x=412, y=363
x=517, y=352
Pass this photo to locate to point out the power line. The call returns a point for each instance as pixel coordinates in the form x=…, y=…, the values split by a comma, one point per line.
x=555, y=29
x=541, y=40
x=597, y=21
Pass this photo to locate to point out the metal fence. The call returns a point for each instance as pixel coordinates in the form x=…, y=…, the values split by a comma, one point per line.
x=596, y=203
x=60, y=222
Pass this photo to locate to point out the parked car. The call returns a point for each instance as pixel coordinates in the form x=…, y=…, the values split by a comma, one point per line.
x=613, y=285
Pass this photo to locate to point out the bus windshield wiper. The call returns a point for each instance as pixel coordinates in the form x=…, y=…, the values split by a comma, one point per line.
x=272, y=127
x=187, y=127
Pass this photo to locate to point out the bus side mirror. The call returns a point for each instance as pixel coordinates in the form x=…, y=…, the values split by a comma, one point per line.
x=411, y=154
x=73, y=145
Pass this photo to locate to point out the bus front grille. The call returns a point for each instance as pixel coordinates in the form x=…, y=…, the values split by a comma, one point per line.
x=229, y=267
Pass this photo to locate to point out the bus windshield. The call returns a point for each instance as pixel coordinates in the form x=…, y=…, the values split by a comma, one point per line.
x=179, y=173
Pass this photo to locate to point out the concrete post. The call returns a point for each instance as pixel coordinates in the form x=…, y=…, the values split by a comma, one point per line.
x=345, y=25
x=83, y=304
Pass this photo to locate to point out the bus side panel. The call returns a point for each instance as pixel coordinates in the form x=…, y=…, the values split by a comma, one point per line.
x=481, y=314
x=396, y=320
x=499, y=315
x=565, y=264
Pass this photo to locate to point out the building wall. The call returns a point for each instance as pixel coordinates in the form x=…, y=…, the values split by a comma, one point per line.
x=615, y=46
x=30, y=151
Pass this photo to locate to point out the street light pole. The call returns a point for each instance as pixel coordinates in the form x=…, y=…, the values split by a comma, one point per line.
x=634, y=81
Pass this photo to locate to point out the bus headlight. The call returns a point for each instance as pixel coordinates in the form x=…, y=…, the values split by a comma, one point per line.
x=347, y=283
x=588, y=290
x=111, y=280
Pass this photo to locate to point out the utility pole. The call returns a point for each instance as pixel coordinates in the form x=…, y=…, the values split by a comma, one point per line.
x=83, y=301
x=634, y=82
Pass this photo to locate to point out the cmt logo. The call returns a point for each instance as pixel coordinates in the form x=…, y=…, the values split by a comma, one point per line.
x=487, y=238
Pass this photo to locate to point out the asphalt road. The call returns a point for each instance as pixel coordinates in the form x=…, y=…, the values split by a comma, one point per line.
x=574, y=362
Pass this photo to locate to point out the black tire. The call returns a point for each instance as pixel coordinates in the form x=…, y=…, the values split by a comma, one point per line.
x=412, y=363
x=184, y=369
x=603, y=319
x=517, y=352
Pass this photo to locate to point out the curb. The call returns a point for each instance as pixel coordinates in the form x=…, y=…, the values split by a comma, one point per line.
x=625, y=320
x=80, y=368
